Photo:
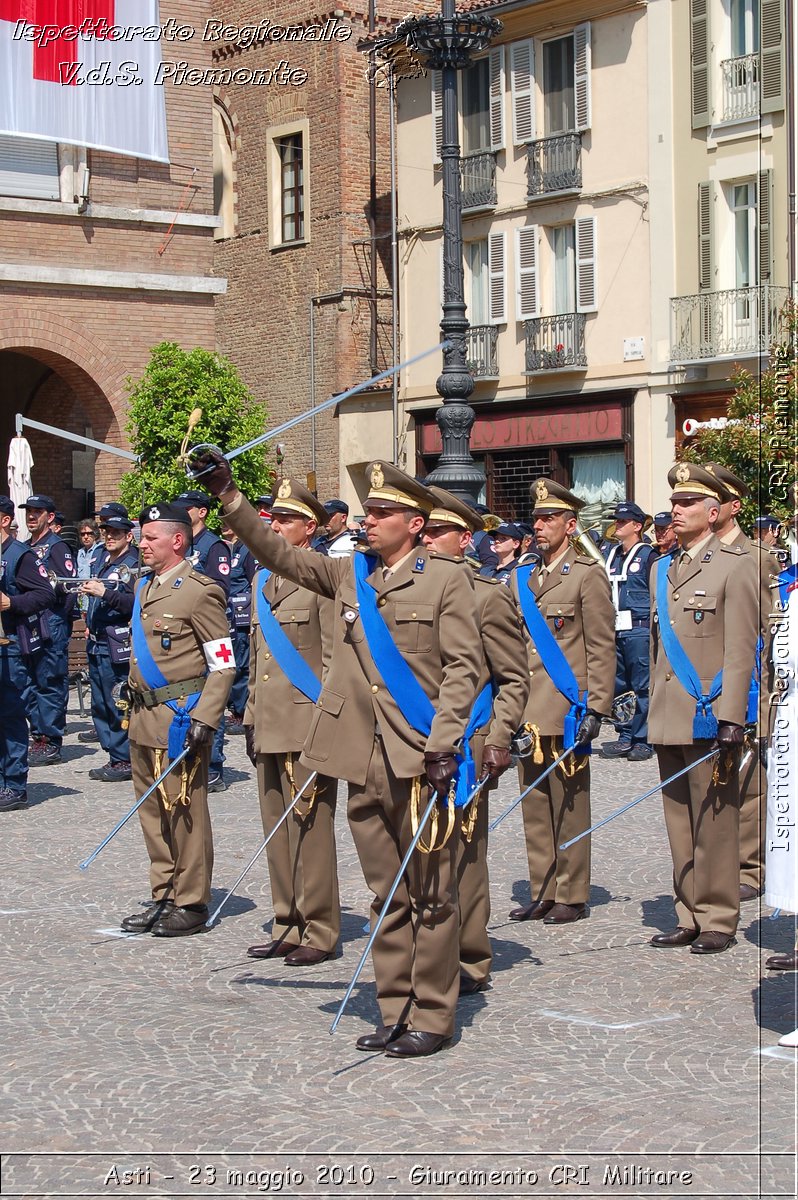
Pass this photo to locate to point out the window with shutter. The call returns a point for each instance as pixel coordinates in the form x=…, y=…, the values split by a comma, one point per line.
x=526, y=267
x=497, y=254
x=29, y=168
x=706, y=239
x=496, y=93
x=764, y=208
x=700, y=106
x=582, y=75
x=437, y=115
x=586, y=289
x=772, y=51
x=522, y=89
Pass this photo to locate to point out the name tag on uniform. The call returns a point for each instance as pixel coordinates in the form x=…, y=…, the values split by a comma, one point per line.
x=623, y=620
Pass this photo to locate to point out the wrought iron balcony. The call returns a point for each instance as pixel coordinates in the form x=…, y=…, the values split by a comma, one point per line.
x=742, y=321
x=554, y=164
x=740, y=87
x=481, y=354
x=554, y=343
x=478, y=180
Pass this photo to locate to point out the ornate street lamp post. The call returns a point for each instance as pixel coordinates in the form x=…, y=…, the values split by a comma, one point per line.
x=446, y=42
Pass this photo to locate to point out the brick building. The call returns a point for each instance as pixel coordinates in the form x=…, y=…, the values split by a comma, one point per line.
x=303, y=183
x=89, y=282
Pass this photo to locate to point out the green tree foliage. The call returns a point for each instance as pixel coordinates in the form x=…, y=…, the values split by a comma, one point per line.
x=174, y=383
x=759, y=443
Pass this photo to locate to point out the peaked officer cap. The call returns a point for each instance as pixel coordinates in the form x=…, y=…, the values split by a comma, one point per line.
x=388, y=486
x=689, y=480
x=551, y=497
x=732, y=483
x=449, y=510
x=293, y=498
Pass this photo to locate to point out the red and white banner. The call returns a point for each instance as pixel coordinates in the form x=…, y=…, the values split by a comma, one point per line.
x=83, y=72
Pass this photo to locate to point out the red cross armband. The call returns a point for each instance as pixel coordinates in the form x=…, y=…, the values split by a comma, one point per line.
x=219, y=655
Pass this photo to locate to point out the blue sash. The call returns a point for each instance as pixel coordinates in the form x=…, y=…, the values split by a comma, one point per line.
x=554, y=661
x=397, y=675
x=154, y=678
x=286, y=655
x=752, y=711
x=705, y=723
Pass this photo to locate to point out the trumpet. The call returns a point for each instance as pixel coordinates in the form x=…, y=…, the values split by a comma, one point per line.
x=127, y=573
x=67, y=583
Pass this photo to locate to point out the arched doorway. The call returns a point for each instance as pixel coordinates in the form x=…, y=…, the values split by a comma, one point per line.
x=49, y=387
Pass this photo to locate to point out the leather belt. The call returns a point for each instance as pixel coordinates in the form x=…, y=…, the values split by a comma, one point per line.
x=171, y=691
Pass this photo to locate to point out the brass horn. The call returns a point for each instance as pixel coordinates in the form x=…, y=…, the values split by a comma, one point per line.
x=583, y=541
x=67, y=583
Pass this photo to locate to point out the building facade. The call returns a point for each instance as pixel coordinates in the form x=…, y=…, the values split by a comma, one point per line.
x=101, y=257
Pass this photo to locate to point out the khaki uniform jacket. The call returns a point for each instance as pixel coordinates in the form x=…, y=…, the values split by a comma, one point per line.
x=505, y=659
x=189, y=611
x=577, y=604
x=428, y=605
x=280, y=712
x=723, y=586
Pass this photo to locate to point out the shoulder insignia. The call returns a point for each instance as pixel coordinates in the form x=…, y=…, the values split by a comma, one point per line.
x=421, y=563
x=178, y=583
x=707, y=557
x=585, y=561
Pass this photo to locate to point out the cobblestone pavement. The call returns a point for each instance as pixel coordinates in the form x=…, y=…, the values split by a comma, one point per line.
x=591, y=1050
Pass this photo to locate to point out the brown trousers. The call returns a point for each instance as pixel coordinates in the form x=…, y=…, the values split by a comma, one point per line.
x=301, y=856
x=753, y=801
x=473, y=889
x=179, y=842
x=703, y=822
x=554, y=813
x=415, y=955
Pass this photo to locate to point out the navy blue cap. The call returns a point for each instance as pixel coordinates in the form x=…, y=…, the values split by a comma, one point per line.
x=482, y=509
x=627, y=510
x=662, y=519
x=508, y=530
x=767, y=522
x=165, y=511
x=117, y=523
x=7, y=506
x=526, y=529
x=112, y=510
x=193, y=500
x=60, y=518
x=336, y=506
x=45, y=503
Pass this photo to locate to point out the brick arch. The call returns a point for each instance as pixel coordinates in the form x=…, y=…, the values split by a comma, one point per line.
x=64, y=346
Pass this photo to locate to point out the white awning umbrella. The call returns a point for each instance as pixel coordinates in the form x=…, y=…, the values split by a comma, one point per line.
x=20, y=464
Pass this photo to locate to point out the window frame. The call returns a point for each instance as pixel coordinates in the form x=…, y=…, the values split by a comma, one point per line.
x=276, y=136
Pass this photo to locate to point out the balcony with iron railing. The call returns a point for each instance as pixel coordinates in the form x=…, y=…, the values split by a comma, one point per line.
x=481, y=353
x=478, y=180
x=554, y=164
x=555, y=343
x=740, y=80
x=729, y=324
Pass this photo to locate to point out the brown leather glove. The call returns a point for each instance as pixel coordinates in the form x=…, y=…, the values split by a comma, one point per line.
x=198, y=737
x=210, y=465
x=440, y=770
x=730, y=735
x=495, y=761
x=249, y=742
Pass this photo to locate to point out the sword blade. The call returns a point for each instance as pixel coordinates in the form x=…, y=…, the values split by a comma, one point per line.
x=535, y=782
x=384, y=911
x=215, y=916
x=651, y=792
x=175, y=762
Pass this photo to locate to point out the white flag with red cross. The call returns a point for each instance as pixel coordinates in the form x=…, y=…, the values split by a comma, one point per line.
x=84, y=72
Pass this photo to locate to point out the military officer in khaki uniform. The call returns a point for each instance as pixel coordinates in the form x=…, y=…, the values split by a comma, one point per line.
x=448, y=531
x=712, y=610
x=753, y=779
x=360, y=733
x=181, y=649
x=572, y=595
x=301, y=856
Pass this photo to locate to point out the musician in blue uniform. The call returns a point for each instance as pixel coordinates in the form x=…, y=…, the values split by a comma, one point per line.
x=108, y=623
x=239, y=611
x=628, y=566
x=210, y=556
x=47, y=691
x=24, y=593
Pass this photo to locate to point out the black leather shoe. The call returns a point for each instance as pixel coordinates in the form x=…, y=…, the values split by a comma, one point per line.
x=640, y=752
x=382, y=1036
x=180, y=922
x=469, y=986
x=307, y=956
x=117, y=772
x=563, y=914
x=713, y=942
x=416, y=1044
x=782, y=962
x=677, y=937
x=748, y=893
x=11, y=800
x=142, y=922
x=531, y=912
x=616, y=749
x=272, y=950
x=89, y=737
